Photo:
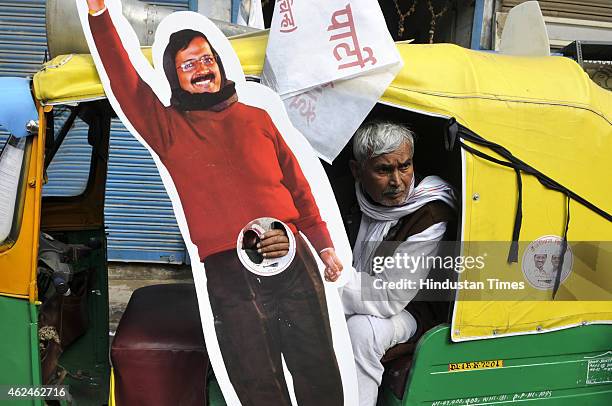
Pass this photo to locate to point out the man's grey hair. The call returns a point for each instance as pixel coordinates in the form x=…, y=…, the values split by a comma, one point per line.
x=380, y=137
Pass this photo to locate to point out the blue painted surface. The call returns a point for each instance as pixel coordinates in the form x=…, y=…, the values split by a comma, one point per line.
x=193, y=5
x=138, y=213
x=16, y=105
x=477, y=24
x=22, y=37
x=235, y=10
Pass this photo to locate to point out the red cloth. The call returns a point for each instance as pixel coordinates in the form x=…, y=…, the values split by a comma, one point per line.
x=229, y=167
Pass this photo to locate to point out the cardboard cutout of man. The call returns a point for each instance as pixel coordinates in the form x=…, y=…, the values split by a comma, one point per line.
x=230, y=165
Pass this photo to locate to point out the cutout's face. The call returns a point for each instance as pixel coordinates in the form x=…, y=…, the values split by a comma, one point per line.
x=387, y=178
x=197, y=68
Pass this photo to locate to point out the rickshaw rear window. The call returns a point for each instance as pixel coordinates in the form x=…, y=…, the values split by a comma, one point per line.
x=68, y=172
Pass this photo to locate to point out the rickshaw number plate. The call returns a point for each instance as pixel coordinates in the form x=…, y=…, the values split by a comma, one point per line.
x=466, y=366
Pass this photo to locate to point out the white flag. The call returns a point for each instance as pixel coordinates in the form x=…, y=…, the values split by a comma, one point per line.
x=330, y=64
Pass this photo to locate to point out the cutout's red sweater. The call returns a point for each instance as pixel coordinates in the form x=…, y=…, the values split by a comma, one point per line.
x=229, y=167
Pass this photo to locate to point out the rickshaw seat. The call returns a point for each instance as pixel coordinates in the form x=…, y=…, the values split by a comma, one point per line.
x=396, y=374
x=158, y=353
x=397, y=361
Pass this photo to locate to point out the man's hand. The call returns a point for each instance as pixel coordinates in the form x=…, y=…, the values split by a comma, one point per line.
x=333, y=266
x=95, y=5
x=273, y=244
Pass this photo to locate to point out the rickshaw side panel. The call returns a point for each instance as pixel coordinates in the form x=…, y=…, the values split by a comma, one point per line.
x=558, y=368
x=19, y=346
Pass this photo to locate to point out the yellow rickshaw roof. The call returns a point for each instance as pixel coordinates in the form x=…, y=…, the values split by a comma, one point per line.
x=429, y=70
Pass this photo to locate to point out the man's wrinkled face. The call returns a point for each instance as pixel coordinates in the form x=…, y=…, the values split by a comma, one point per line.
x=197, y=68
x=387, y=178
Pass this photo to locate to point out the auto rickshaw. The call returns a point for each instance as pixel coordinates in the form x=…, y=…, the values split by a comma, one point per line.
x=526, y=141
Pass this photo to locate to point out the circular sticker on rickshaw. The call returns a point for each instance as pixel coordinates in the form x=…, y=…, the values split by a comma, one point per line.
x=542, y=259
x=251, y=235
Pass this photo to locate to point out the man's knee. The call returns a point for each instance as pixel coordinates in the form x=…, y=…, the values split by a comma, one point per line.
x=370, y=336
x=364, y=339
x=361, y=331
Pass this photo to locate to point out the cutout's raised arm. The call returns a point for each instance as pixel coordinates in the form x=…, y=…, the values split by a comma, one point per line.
x=136, y=99
x=95, y=5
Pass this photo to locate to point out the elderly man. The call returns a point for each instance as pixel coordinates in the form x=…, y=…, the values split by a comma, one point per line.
x=400, y=214
x=230, y=166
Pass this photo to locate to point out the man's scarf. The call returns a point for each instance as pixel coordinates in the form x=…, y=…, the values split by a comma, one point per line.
x=377, y=220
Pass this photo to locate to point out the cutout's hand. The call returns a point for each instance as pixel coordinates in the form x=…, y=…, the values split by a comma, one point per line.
x=95, y=5
x=274, y=244
x=333, y=265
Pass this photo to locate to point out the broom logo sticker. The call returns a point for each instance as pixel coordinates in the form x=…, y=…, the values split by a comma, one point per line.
x=541, y=261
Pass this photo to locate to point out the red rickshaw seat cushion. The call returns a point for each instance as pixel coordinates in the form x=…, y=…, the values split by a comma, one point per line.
x=158, y=352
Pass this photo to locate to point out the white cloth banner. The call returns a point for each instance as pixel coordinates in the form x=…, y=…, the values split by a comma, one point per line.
x=329, y=115
x=330, y=63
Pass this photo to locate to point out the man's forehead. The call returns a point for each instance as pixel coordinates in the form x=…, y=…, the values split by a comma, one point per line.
x=402, y=154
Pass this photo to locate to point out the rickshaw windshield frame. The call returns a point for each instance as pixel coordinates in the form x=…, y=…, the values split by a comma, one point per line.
x=20, y=188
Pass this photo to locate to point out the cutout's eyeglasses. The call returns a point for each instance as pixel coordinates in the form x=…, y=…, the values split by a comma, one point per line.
x=188, y=66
